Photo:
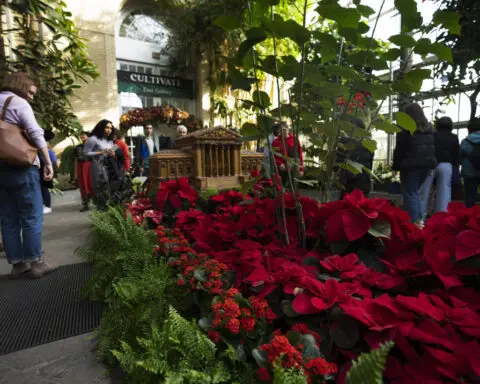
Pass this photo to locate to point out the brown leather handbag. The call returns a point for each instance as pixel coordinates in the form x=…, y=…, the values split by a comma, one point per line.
x=15, y=147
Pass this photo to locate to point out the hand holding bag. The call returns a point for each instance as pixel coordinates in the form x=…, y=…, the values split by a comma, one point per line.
x=15, y=147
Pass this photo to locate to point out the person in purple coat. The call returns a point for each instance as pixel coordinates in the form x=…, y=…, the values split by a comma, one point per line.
x=21, y=206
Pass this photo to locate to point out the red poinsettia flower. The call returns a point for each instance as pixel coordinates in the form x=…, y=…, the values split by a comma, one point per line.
x=172, y=191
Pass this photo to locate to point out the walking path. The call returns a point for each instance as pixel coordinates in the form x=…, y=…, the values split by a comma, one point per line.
x=68, y=361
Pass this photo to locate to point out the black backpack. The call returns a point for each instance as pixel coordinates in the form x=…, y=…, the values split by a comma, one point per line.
x=474, y=156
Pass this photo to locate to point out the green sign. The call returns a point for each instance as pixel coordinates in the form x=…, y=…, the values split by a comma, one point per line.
x=153, y=85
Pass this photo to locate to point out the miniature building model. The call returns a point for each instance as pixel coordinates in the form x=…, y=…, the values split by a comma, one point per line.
x=210, y=158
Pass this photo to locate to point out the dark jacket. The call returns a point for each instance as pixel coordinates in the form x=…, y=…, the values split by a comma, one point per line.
x=468, y=169
x=414, y=151
x=79, y=155
x=141, y=148
x=356, y=152
x=447, y=147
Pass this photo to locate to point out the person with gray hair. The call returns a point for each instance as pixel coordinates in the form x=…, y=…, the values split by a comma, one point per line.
x=182, y=131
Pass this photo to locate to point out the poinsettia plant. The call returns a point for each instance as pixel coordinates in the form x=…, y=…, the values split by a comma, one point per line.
x=367, y=276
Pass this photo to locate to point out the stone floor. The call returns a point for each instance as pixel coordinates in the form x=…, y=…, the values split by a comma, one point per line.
x=69, y=361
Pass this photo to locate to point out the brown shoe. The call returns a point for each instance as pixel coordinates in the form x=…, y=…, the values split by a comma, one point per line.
x=41, y=268
x=19, y=270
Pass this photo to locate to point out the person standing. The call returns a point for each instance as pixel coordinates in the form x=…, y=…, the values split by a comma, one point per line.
x=447, y=149
x=144, y=149
x=266, y=165
x=288, y=150
x=414, y=157
x=182, y=131
x=98, y=148
x=470, y=161
x=122, y=145
x=84, y=181
x=47, y=185
x=21, y=206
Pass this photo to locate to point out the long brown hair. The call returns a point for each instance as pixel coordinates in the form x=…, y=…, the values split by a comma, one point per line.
x=18, y=83
x=415, y=111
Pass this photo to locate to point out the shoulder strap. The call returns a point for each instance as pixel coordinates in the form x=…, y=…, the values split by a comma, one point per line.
x=5, y=107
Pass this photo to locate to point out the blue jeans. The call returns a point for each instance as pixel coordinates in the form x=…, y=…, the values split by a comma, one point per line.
x=21, y=214
x=471, y=188
x=443, y=183
x=413, y=201
x=424, y=191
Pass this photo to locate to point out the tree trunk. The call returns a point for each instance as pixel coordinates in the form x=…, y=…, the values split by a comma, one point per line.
x=473, y=102
x=3, y=57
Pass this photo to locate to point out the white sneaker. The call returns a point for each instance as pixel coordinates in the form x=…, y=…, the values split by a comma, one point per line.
x=47, y=210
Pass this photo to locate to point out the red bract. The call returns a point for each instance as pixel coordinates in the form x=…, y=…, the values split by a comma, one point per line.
x=416, y=293
x=351, y=218
x=172, y=191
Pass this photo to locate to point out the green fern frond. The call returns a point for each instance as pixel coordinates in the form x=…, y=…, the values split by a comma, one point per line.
x=369, y=367
x=282, y=375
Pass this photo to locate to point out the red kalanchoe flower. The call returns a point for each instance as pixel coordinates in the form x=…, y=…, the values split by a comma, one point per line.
x=233, y=325
x=321, y=367
x=214, y=336
x=263, y=374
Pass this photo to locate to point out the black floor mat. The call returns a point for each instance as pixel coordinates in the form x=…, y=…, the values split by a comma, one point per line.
x=34, y=312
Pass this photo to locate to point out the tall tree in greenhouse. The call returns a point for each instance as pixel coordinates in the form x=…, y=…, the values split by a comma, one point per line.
x=462, y=19
x=44, y=41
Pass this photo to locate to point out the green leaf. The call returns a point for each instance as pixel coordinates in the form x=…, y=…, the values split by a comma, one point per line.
x=353, y=167
x=416, y=78
x=311, y=352
x=386, y=126
x=442, y=52
x=392, y=54
x=205, y=323
x=268, y=3
x=448, y=19
x=261, y=98
x=403, y=86
x=288, y=309
x=249, y=129
x=406, y=122
x=328, y=46
x=254, y=35
x=345, y=17
x=327, y=129
x=411, y=18
x=308, y=118
x=243, y=83
x=365, y=10
x=381, y=228
x=200, y=275
x=227, y=22
x=370, y=144
x=331, y=89
x=345, y=72
x=423, y=47
x=296, y=32
x=403, y=40
x=349, y=128
x=260, y=357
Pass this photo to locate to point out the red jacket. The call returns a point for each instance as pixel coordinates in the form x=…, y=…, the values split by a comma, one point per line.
x=289, y=152
x=126, y=154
